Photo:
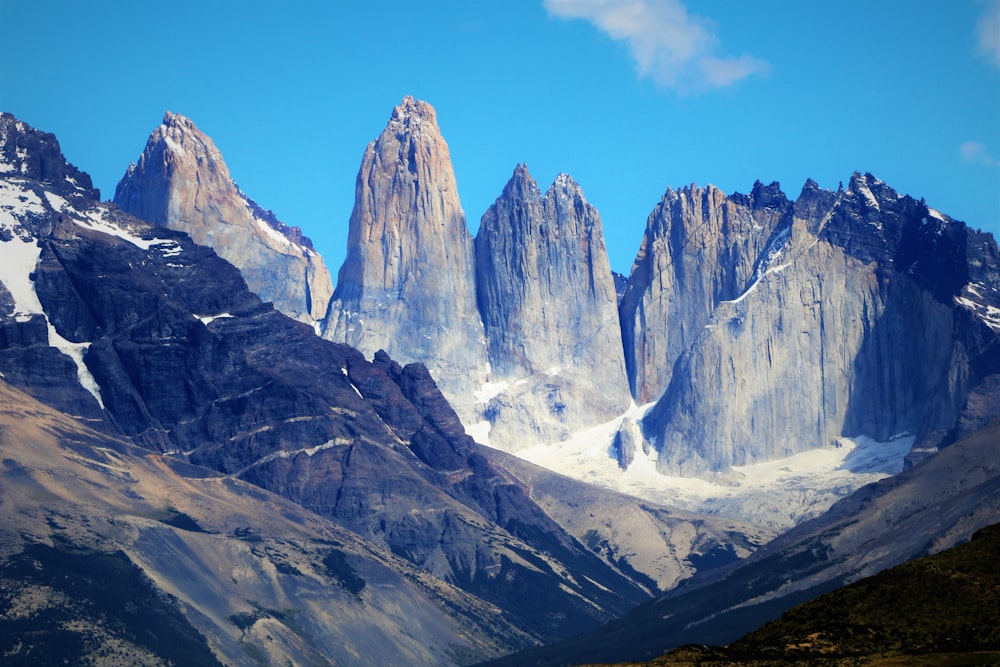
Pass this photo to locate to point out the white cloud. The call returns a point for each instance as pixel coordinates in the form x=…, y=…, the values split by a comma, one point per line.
x=975, y=152
x=988, y=28
x=673, y=48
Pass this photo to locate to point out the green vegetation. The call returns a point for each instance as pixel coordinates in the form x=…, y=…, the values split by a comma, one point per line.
x=938, y=610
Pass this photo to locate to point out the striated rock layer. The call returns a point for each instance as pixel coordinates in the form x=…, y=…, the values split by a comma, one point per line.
x=549, y=306
x=866, y=313
x=157, y=341
x=181, y=182
x=407, y=285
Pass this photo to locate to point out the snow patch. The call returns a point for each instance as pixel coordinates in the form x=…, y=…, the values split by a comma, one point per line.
x=934, y=213
x=490, y=390
x=990, y=315
x=480, y=432
x=75, y=352
x=869, y=198
x=171, y=144
x=353, y=386
x=772, y=254
x=56, y=202
x=777, y=494
x=208, y=319
x=15, y=202
x=270, y=232
x=99, y=222
x=19, y=260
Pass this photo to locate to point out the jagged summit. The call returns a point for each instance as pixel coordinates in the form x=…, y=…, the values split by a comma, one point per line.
x=548, y=302
x=153, y=338
x=855, y=312
x=407, y=285
x=410, y=116
x=30, y=154
x=181, y=181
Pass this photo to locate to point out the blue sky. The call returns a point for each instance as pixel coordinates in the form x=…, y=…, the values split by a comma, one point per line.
x=627, y=97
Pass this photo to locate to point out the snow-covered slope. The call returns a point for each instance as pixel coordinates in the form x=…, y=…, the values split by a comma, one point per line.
x=777, y=494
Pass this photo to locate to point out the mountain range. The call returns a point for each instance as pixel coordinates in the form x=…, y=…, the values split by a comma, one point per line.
x=189, y=401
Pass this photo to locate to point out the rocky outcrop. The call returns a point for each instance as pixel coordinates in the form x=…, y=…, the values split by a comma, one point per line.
x=867, y=314
x=108, y=551
x=548, y=302
x=161, y=343
x=665, y=544
x=407, y=285
x=182, y=182
x=700, y=248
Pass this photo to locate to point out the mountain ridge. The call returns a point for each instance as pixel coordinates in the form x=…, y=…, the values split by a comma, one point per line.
x=155, y=339
x=181, y=181
x=143, y=334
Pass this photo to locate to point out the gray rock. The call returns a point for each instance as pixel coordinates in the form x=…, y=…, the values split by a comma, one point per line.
x=407, y=285
x=700, y=248
x=182, y=182
x=850, y=326
x=166, y=348
x=548, y=301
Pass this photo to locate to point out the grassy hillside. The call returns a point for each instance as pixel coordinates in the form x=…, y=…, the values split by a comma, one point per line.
x=937, y=610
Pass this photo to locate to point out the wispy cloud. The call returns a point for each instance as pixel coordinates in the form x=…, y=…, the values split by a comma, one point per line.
x=988, y=29
x=673, y=48
x=975, y=152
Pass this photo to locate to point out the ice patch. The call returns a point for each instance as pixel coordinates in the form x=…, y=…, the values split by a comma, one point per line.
x=776, y=494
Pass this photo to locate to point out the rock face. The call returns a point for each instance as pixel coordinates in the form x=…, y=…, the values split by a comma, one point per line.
x=181, y=182
x=125, y=553
x=700, y=248
x=407, y=285
x=157, y=340
x=866, y=313
x=548, y=301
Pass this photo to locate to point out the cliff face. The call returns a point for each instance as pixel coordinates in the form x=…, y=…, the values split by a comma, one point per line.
x=548, y=301
x=868, y=314
x=182, y=182
x=158, y=341
x=407, y=285
x=700, y=248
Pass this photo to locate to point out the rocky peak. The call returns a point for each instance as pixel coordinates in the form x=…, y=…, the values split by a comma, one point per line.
x=181, y=181
x=548, y=302
x=407, y=284
x=29, y=154
x=410, y=116
x=700, y=248
x=820, y=343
